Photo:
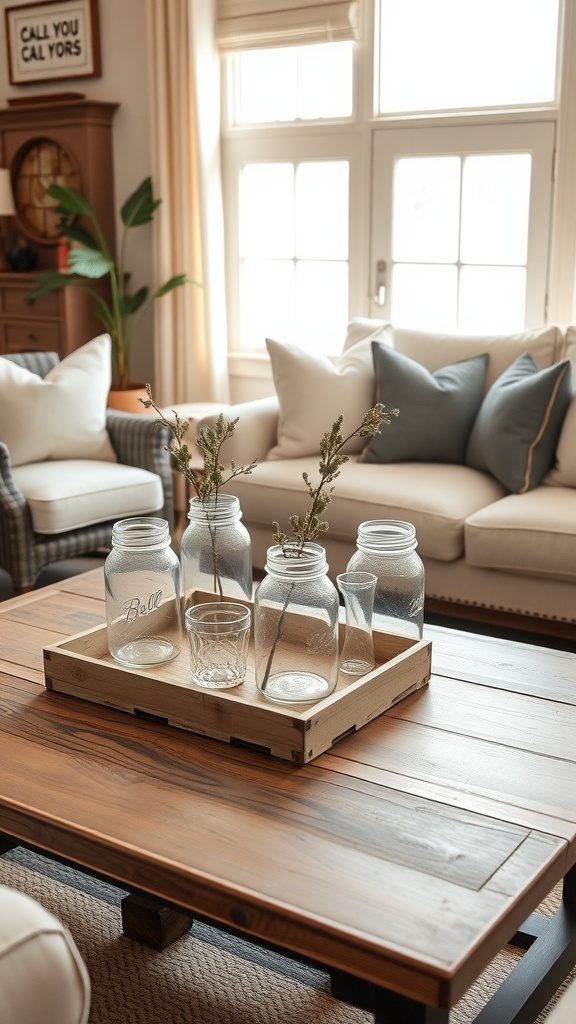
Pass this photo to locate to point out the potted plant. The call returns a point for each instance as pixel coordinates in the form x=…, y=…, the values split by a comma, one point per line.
x=90, y=259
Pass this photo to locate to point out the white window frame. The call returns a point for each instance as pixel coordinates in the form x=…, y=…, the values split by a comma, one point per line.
x=352, y=139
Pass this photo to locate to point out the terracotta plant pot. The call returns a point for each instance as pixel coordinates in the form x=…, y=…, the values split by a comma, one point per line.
x=127, y=399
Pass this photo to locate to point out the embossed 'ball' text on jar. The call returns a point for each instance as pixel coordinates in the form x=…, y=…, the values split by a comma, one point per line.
x=142, y=587
x=387, y=548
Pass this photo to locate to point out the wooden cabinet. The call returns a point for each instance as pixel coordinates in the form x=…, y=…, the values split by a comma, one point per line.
x=58, y=322
x=38, y=142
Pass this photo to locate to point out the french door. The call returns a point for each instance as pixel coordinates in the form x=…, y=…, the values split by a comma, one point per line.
x=461, y=226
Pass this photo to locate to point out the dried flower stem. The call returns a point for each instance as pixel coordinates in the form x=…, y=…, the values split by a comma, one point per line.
x=208, y=481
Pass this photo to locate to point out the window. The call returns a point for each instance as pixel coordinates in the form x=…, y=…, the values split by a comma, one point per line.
x=344, y=157
x=468, y=55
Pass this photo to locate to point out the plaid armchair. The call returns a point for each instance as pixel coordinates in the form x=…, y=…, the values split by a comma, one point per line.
x=138, y=441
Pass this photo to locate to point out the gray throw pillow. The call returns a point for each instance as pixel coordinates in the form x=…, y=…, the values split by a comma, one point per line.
x=437, y=410
x=517, y=429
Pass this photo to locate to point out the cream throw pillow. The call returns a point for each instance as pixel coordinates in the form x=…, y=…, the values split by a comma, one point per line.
x=60, y=416
x=313, y=391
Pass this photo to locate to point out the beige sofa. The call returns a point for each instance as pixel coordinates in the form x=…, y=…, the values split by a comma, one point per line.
x=490, y=553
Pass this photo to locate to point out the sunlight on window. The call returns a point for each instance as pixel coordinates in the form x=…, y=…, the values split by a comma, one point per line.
x=426, y=219
x=425, y=297
x=287, y=83
x=478, y=224
x=494, y=53
x=294, y=253
x=506, y=288
x=322, y=210
x=495, y=208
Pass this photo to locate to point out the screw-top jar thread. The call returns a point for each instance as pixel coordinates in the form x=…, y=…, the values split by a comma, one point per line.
x=384, y=535
x=221, y=511
x=294, y=562
x=138, y=534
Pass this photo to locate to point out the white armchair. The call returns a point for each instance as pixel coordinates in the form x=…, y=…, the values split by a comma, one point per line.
x=42, y=975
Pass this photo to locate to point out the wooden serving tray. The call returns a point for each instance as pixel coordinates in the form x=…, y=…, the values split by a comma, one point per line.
x=83, y=667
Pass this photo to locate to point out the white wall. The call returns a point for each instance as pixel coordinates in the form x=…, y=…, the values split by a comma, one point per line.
x=124, y=80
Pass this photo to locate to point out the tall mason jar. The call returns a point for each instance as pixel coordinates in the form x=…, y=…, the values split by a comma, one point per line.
x=296, y=626
x=142, y=585
x=387, y=547
x=215, y=550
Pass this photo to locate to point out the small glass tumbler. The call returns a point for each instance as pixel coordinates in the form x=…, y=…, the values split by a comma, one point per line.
x=218, y=633
x=357, y=589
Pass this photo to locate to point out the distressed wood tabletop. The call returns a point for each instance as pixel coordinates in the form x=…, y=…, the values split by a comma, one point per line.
x=407, y=855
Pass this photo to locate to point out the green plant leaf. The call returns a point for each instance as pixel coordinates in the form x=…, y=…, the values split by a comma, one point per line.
x=89, y=262
x=131, y=303
x=174, y=282
x=70, y=201
x=139, y=207
x=47, y=282
x=104, y=313
x=78, y=234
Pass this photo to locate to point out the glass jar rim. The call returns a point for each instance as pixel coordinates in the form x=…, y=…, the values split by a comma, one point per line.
x=387, y=535
x=294, y=562
x=220, y=508
x=141, y=533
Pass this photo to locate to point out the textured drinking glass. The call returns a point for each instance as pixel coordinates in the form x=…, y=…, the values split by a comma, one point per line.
x=218, y=633
x=357, y=589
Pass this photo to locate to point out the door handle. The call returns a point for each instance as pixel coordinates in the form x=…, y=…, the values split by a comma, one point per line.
x=380, y=296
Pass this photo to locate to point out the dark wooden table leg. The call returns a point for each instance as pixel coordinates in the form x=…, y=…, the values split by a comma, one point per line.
x=390, y=1008
x=542, y=969
x=151, y=923
x=6, y=843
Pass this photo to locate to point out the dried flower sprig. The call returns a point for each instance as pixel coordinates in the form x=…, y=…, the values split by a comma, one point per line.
x=310, y=525
x=206, y=482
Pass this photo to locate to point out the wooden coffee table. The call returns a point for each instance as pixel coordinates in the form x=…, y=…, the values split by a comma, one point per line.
x=403, y=860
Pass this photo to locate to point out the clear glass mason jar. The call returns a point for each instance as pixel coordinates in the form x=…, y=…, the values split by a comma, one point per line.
x=142, y=582
x=296, y=626
x=215, y=550
x=387, y=547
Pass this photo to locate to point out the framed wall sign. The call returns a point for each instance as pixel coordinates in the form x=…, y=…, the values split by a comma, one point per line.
x=53, y=40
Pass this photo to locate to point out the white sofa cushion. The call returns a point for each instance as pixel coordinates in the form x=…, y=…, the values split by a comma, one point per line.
x=526, y=533
x=436, y=498
x=73, y=493
x=42, y=975
x=60, y=416
x=313, y=391
x=545, y=345
x=434, y=350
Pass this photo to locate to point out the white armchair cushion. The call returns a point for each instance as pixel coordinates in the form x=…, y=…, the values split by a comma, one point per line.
x=73, y=493
x=42, y=975
x=60, y=416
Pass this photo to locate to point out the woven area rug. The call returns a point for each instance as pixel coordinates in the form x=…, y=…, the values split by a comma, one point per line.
x=206, y=977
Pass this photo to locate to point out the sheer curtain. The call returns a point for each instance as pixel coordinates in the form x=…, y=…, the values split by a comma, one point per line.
x=190, y=355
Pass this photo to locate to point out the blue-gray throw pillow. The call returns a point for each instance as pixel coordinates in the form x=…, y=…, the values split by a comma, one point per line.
x=517, y=429
x=437, y=410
